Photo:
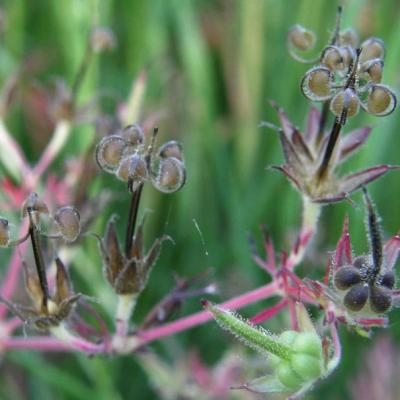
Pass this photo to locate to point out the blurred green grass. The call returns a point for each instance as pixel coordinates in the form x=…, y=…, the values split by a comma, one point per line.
x=212, y=66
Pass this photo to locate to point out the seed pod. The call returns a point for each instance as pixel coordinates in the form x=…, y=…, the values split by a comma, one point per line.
x=171, y=175
x=348, y=37
x=36, y=206
x=363, y=263
x=349, y=54
x=68, y=223
x=133, y=169
x=332, y=58
x=4, y=232
x=316, y=84
x=102, y=39
x=110, y=151
x=356, y=297
x=171, y=149
x=372, y=48
x=372, y=70
x=381, y=101
x=133, y=134
x=388, y=279
x=380, y=299
x=301, y=38
x=346, y=277
x=345, y=98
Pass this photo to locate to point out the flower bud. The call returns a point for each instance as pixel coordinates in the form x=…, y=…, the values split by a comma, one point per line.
x=68, y=223
x=4, y=232
x=316, y=84
x=301, y=38
x=133, y=169
x=332, y=58
x=171, y=175
x=171, y=149
x=102, y=39
x=345, y=99
x=372, y=48
x=133, y=134
x=110, y=151
x=381, y=101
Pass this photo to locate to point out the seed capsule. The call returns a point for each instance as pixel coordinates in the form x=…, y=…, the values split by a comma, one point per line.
x=332, y=58
x=381, y=101
x=372, y=48
x=346, y=277
x=171, y=149
x=34, y=203
x=171, y=175
x=133, y=134
x=348, y=37
x=345, y=98
x=110, y=151
x=316, y=84
x=133, y=169
x=380, y=299
x=301, y=38
x=4, y=232
x=68, y=222
x=356, y=297
x=388, y=279
x=372, y=70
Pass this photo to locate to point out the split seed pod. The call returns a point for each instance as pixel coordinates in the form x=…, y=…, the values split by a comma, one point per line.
x=301, y=38
x=110, y=151
x=68, y=223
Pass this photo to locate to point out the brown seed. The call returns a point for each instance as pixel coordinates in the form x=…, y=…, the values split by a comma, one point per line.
x=373, y=70
x=133, y=168
x=110, y=151
x=345, y=98
x=381, y=101
x=332, y=58
x=133, y=134
x=301, y=38
x=4, y=232
x=171, y=175
x=372, y=48
x=171, y=149
x=68, y=222
x=316, y=84
x=349, y=37
x=35, y=204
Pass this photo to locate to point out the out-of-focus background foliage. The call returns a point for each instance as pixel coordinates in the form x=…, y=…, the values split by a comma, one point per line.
x=212, y=66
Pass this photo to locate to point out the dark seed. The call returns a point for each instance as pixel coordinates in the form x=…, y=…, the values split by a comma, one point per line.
x=380, y=299
x=362, y=262
x=388, y=279
x=356, y=297
x=346, y=277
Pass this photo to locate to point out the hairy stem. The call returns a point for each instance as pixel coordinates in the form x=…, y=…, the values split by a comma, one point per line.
x=132, y=218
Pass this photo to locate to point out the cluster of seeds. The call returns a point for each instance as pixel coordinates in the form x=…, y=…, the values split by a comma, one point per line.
x=127, y=157
x=66, y=220
x=360, y=282
x=348, y=74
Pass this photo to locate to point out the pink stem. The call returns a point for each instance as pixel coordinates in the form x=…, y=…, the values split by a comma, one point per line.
x=269, y=312
x=44, y=343
x=203, y=316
